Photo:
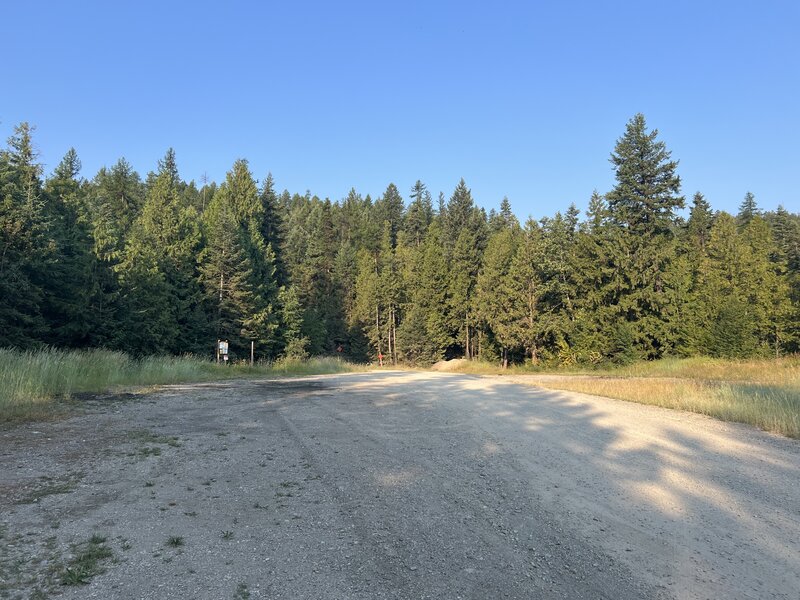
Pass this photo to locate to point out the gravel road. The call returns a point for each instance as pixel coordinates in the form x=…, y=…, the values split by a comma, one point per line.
x=397, y=485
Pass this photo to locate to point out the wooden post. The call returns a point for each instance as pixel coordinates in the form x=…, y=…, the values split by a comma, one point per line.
x=217, y=351
x=252, y=351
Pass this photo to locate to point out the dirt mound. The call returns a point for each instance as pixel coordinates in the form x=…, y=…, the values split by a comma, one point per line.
x=447, y=366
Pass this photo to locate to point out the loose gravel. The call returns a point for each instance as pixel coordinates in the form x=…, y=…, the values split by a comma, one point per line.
x=395, y=485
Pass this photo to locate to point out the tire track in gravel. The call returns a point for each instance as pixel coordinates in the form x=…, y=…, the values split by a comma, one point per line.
x=513, y=546
x=371, y=555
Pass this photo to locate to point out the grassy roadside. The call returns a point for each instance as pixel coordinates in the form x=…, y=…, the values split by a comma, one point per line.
x=31, y=382
x=760, y=392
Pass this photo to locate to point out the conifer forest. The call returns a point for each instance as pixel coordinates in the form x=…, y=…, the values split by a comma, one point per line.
x=155, y=265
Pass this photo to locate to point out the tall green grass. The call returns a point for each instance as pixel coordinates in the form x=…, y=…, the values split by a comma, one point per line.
x=31, y=381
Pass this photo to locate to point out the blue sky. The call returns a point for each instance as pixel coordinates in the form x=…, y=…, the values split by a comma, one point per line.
x=522, y=99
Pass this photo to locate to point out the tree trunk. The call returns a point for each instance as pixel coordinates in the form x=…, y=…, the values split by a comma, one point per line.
x=221, y=287
x=393, y=333
x=378, y=332
x=467, y=353
x=391, y=341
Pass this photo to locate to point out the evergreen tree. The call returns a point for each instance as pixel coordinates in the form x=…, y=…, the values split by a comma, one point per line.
x=295, y=344
x=558, y=289
x=238, y=266
x=593, y=266
x=464, y=264
x=160, y=269
x=646, y=194
x=389, y=209
x=22, y=240
x=419, y=215
x=115, y=199
x=524, y=290
x=458, y=214
x=389, y=290
x=502, y=219
x=367, y=310
x=755, y=316
x=227, y=274
x=163, y=266
x=425, y=335
x=69, y=288
x=643, y=204
x=700, y=221
x=272, y=228
x=495, y=297
x=747, y=210
x=324, y=320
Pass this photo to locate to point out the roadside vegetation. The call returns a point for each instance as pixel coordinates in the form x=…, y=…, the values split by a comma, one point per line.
x=33, y=381
x=760, y=392
x=142, y=264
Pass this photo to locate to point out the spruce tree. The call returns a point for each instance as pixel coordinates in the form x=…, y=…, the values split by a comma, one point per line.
x=167, y=235
x=419, y=214
x=524, y=285
x=238, y=266
x=295, y=344
x=389, y=208
x=645, y=197
x=272, y=228
x=458, y=214
x=700, y=221
x=368, y=311
x=642, y=205
x=324, y=321
x=425, y=334
x=747, y=210
x=23, y=243
x=70, y=288
x=496, y=306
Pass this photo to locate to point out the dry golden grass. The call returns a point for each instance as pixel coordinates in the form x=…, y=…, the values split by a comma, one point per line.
x=760, y=392
x=774, y=408
x=775, y=371
x=770, y=407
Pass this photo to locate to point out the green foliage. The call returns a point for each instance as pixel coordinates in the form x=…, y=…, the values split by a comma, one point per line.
x=645, y=196
x=748, y=209
x=23, y=242
x=496, y=306
x=237, y=267
x=164, y=266
x=419, y=215
x=87, y=561
x=295, y=343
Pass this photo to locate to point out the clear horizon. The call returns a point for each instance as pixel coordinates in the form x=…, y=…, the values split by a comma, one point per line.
x=521, y=101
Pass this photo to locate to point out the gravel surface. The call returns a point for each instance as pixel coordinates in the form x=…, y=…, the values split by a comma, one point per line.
x=395, y=485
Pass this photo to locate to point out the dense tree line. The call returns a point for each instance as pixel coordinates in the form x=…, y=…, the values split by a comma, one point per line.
x=159, y=265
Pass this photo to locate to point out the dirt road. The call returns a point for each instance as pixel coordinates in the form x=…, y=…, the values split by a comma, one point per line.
x=396, y=485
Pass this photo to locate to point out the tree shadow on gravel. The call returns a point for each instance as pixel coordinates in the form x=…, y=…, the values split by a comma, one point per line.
x=699, y=498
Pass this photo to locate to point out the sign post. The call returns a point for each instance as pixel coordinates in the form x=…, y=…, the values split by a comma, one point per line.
x=222, y=350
